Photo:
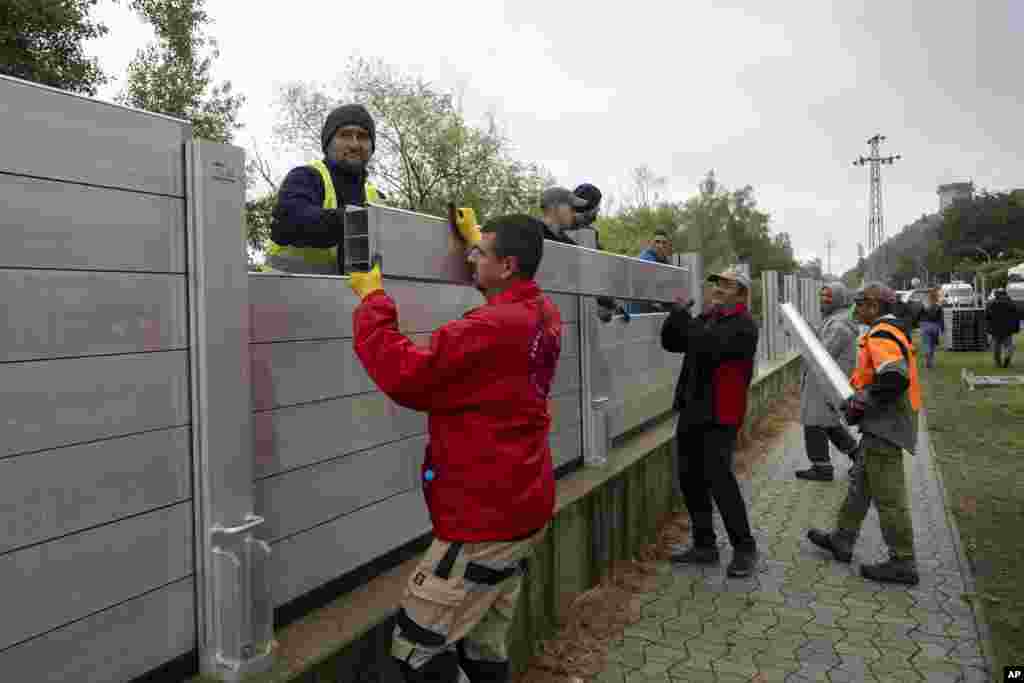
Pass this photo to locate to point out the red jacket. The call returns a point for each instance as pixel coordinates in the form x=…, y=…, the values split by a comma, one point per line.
x=484, y=383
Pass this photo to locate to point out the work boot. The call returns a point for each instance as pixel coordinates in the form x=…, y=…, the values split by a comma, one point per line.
x=892, y=571
x=697, y=554
x=743, y=563
x=839, y=544
x=817, y=473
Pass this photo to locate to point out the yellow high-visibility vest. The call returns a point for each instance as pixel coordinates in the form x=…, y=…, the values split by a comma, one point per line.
x=317, y=256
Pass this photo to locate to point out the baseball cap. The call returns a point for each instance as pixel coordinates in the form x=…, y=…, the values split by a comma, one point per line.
x=555, y=196
x=733, y=275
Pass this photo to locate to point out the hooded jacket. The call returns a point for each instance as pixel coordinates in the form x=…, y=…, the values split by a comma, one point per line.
x=838, y=334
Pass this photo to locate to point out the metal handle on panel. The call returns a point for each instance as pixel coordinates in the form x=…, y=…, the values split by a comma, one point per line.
x=251, y=522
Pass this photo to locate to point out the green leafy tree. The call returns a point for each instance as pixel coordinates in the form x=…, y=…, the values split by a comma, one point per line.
x=41, y=41
x=427, y=153
x=173, y=76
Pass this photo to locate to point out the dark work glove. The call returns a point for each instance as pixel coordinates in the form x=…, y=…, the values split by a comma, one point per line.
x=853, y=409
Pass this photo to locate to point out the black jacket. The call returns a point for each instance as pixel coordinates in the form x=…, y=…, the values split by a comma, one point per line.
x=299, y=219
x=1003, y=318
x=718, y=366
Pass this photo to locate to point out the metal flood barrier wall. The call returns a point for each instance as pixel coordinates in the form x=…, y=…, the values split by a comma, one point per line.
x=187, y=446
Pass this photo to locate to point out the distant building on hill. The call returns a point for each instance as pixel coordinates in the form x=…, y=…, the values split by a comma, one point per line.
x=950, y=192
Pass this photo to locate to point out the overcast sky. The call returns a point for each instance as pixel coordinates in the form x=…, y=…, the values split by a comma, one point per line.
x=781, y=96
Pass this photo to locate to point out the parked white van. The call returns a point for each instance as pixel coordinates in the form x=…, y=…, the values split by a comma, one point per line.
x=957, y=294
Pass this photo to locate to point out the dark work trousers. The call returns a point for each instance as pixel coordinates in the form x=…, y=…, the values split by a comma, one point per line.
x=706, y=457
x=816, y=443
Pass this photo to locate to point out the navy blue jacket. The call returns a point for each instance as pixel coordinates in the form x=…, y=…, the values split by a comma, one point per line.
x=299, y=219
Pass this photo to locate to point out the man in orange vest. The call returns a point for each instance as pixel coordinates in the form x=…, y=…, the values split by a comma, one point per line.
x=886, y=406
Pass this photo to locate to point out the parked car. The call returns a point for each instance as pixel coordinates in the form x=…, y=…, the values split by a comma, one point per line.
x=916, y=296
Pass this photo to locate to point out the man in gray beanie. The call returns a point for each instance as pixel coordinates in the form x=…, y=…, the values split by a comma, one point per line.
x=838, y=334
x=306, y=232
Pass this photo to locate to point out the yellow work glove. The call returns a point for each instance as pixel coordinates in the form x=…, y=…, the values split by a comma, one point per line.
x=366, y=283
x=465, y=223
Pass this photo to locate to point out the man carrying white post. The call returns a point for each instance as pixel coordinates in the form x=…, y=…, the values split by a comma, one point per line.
x=488, y=480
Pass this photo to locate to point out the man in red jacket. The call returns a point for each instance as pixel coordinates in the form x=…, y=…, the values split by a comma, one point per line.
x=488, y=480
x=711, y=397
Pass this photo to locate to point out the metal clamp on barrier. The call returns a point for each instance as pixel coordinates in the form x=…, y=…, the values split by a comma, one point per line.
x=597, y=454
x=244, y=634
x=358, y=242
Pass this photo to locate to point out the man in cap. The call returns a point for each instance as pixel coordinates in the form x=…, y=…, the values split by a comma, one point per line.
x=838, y=334
x=306, y=232
x=711, y=397
x=885, y=405
x=559, y=206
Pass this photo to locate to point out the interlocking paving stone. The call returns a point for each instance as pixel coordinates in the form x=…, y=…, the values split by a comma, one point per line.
x=802, y=616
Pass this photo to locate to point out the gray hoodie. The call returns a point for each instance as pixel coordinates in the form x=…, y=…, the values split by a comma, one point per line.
x=838, y=334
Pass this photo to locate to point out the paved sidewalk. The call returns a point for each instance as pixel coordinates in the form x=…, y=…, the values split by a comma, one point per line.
x=804, y=617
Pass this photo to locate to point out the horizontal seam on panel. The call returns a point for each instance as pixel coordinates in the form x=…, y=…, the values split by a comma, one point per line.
x=84, y=269
x=98, y=440
x=95, y=526
x=314, y=401
x=190, y=575
x=339, y=456
x=300, y=340
x=174, y=349
x=65, y=181
x=337, y=517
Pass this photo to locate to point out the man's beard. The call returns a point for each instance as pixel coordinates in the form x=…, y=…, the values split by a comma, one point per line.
x=350, y=167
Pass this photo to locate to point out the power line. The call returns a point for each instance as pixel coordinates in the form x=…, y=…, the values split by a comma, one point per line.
x=876, y=226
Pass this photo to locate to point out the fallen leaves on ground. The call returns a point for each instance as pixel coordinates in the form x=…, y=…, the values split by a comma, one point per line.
x=593, y=619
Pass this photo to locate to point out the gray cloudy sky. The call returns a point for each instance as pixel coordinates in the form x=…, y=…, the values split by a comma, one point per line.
x=781, y=96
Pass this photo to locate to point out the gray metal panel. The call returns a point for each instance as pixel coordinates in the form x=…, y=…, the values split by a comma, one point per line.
x=418, y=246
x=57, y=492
x=57, y=582
x=51, y=224
x=565, y=445
x=567, y=306
x=298, y=372
x=301, y=435
x=565, y=412
x=52, y=314
x=305, y=561
x=50, y=134
x=118, y=644
x=570, y=339
x=296, y=501
x=567, y=376
x=292, y=308
x=61, y=402
x=288, y=308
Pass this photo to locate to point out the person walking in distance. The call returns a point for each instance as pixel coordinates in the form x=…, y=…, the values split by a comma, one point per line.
x=885, y=405
x=1003, y=319
x=932, y=326
x=838, y=334
x=711, y=397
